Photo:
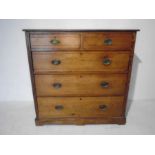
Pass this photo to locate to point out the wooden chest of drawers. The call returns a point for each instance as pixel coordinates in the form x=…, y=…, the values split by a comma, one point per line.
x=80, y=76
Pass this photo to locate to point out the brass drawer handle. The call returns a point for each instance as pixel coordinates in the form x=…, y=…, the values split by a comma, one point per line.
x=57, y=85
x=106, y=61
x=108, y=42
x=59, y=107
x=56, y=62
x=55, y=41
x=102, y=107
x=104, y=84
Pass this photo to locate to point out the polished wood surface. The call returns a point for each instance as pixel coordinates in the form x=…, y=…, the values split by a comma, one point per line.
x=80, y=76
x=66, y=41
x=80, y=85
x=80, y=61
x=80, y=106
x=79, y=30
x=120, y=41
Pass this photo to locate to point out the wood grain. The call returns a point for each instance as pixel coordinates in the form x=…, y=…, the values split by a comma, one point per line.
x=80, y=106
x=80, y=73
x=80, y=85
x=80, y=61
x=67, y=41
x=81, y=120
x=95, y=41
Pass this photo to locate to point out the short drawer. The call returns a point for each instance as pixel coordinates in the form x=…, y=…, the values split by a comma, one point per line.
x=80, y=85
x=77, y=61
x=108, y=41
x=54, y=41
x=53, y=107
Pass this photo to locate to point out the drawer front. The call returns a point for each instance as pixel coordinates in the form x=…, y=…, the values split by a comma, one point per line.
x=80, y=85
x=54, y=41
x=50, y=107
x=76, y=61
x=108, y=41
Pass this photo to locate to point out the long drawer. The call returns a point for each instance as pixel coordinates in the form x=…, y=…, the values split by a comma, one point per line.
x=77, y=61
x=80, y=85
x=55, y=107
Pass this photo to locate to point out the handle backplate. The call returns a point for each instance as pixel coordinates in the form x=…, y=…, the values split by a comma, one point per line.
x=55, y=41
x=59, y=107
x=106, y=61
x=104, y=84
x=56, y=62
x=57, y=85
x=108, y=41
x=102, y=107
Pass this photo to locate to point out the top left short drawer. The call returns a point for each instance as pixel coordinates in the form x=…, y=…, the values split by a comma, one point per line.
x=55, y=41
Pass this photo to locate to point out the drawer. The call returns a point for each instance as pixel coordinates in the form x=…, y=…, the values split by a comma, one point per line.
x=80, y=85
x=108, y=41
x=54, y=41
x=50, y=107
x=76, y=61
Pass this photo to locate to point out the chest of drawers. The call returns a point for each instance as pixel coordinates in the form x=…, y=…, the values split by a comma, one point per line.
x=80, y=76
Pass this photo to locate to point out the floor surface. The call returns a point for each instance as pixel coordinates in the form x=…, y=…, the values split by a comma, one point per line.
x=18, y=118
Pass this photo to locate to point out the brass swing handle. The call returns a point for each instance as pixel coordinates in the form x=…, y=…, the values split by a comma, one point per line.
x=59, y=107
x=55, y=41
x=102, y=107
x=108, y=41
x=104, y=84
x=106, y=61
x=56, y=62
x=57, y=85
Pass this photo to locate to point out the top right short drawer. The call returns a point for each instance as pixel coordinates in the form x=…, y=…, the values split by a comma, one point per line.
x=108, y=40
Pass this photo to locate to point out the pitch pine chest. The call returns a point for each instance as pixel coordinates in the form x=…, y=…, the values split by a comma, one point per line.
x=80, y=76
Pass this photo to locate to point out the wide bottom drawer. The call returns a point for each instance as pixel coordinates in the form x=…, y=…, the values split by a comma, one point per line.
x=58, y=107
